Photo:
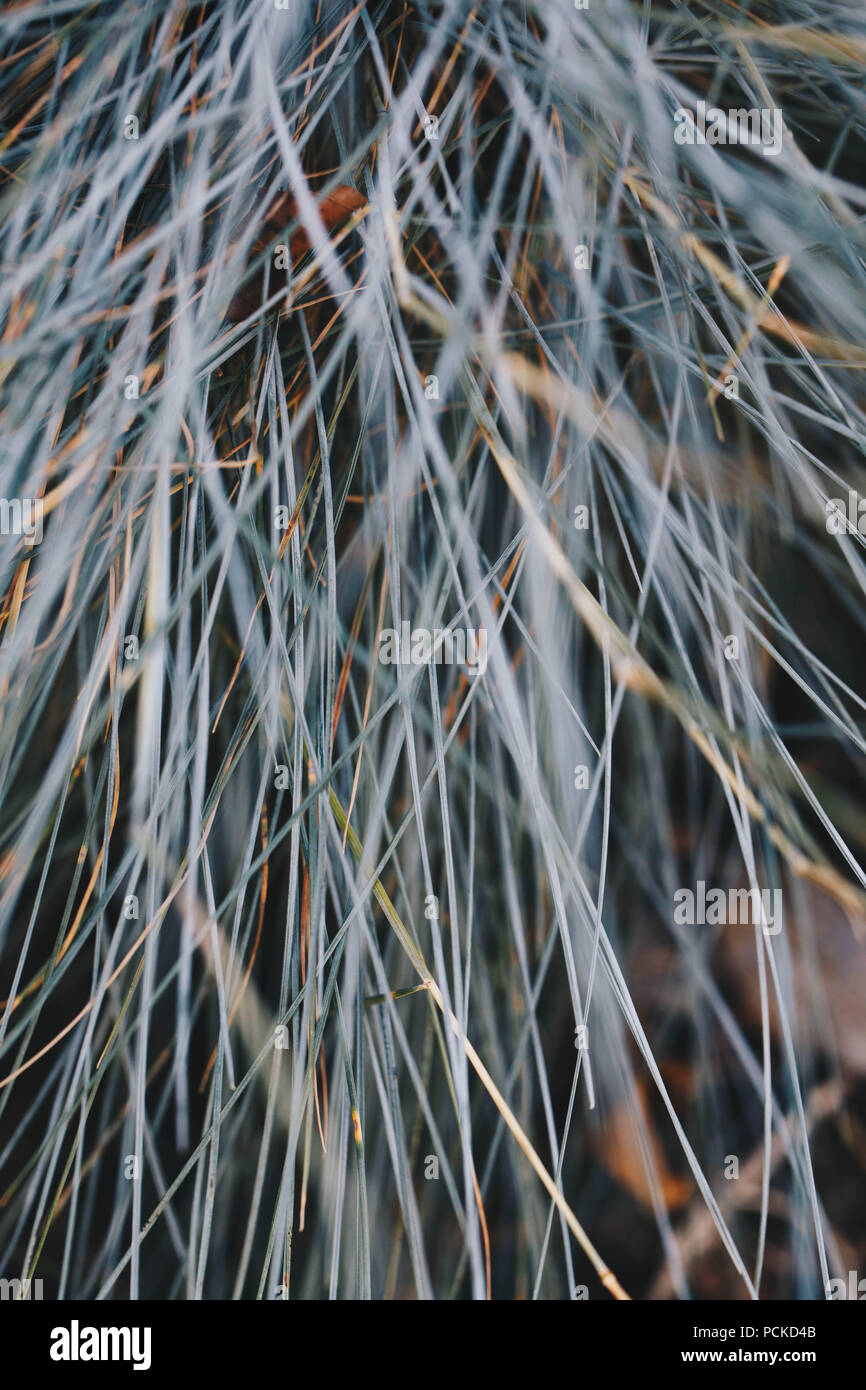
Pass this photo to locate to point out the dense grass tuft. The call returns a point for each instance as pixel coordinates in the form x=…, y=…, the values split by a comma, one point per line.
x=335, y=977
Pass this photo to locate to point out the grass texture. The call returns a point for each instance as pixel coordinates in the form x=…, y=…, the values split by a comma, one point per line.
x=322, y=977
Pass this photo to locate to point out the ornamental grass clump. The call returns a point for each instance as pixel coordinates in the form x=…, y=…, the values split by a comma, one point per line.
x=522, y=343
